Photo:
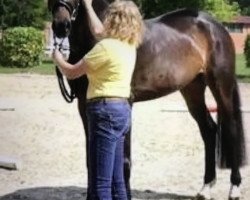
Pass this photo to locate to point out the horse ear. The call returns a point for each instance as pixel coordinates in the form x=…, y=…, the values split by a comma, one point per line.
x=51, y=4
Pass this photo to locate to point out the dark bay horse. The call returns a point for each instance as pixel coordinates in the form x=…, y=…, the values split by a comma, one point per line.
x=184, y=50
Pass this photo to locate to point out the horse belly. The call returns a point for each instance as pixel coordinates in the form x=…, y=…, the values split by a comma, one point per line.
x=157, y=79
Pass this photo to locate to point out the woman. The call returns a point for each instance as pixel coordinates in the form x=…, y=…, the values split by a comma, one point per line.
x=109, y=67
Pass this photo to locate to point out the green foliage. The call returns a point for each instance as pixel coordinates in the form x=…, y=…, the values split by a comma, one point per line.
x=247, y=51
x=46, y=68
x=153, y=8
x=21, y=47
x=221, y=9
x=244, y=6
x=22, y=13
x=242, y=72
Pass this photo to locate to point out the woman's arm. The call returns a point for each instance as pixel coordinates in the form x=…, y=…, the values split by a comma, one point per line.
x=69, y=70
x=95, y=23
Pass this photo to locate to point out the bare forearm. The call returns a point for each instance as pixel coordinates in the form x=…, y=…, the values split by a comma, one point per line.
x=65, y=68
x=69, y=70
x=95, y=23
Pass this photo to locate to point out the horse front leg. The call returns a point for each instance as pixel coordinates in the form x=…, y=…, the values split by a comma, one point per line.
x=195, y=100
x=82, y=111
x=79, y=87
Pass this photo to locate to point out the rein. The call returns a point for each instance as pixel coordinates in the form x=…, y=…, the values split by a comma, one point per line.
x=68, y=96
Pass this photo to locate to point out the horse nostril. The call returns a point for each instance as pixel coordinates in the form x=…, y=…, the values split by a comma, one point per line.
x=67, y=25
x=53, y=26
x=61, y=28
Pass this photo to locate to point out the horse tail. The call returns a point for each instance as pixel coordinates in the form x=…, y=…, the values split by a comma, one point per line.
x=231, y=146
x=240, y=141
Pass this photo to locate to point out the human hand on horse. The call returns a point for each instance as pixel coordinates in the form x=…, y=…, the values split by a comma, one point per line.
x=95, y=23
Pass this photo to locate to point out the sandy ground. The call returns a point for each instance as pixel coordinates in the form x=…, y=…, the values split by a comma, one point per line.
x=45, y=135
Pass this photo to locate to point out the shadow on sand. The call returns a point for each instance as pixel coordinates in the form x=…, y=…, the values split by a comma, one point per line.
x=77, y=193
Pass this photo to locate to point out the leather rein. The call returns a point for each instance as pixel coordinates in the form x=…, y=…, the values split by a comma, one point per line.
x=68, y=96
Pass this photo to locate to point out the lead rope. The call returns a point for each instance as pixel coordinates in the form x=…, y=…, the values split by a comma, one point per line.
x=69, y=97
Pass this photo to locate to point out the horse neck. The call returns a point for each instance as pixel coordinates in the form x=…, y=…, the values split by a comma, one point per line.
x=100, y=5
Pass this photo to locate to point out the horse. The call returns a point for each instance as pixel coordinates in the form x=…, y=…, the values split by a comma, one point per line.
x=183, y=50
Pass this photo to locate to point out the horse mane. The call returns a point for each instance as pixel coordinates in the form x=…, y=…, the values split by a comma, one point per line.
x=183, y=12
x=171, y=17
x=178, y=19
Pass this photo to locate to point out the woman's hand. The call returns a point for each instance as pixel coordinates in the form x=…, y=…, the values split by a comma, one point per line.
x=71, y=71
x=96, y=26
x=57, y=56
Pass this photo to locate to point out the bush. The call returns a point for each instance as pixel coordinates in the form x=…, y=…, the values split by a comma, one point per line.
x=21, y=47
x=247, y=51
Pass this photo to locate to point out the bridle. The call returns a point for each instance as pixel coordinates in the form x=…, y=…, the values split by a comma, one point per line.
x=73, y=11
x=68, y=96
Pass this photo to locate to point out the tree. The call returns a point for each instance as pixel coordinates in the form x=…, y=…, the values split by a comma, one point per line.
x=244, y=6
x=221, y=9
x=153, y=8
x=22, y=13
x=21, y=47
x=247, y=51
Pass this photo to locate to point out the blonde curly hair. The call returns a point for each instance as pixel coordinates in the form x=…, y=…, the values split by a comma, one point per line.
x=123, y=21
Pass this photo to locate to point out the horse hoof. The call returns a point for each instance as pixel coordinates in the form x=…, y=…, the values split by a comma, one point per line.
x=234, y=193
x=201, y=197
x=205, y=192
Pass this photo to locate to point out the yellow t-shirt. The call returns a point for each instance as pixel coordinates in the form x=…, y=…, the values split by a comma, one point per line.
x=110, y=67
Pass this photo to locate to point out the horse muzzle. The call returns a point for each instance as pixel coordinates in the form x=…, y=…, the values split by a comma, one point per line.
x=61, y=29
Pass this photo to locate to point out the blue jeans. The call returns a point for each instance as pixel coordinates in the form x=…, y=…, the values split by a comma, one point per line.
x=108, y=121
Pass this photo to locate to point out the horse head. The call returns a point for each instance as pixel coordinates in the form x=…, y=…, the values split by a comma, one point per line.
x=63, y=11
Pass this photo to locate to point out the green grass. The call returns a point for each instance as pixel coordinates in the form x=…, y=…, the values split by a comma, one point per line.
x=243, y=72
x=47, y=67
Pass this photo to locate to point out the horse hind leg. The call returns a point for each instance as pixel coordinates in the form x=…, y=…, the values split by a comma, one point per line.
x=231, y=148
x=195, y=100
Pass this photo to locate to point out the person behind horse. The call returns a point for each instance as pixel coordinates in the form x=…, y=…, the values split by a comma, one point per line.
x=109, y=67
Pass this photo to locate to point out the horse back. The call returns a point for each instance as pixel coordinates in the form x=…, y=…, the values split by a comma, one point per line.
x=176, y=47
x=210, y=34
x=194, y=25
